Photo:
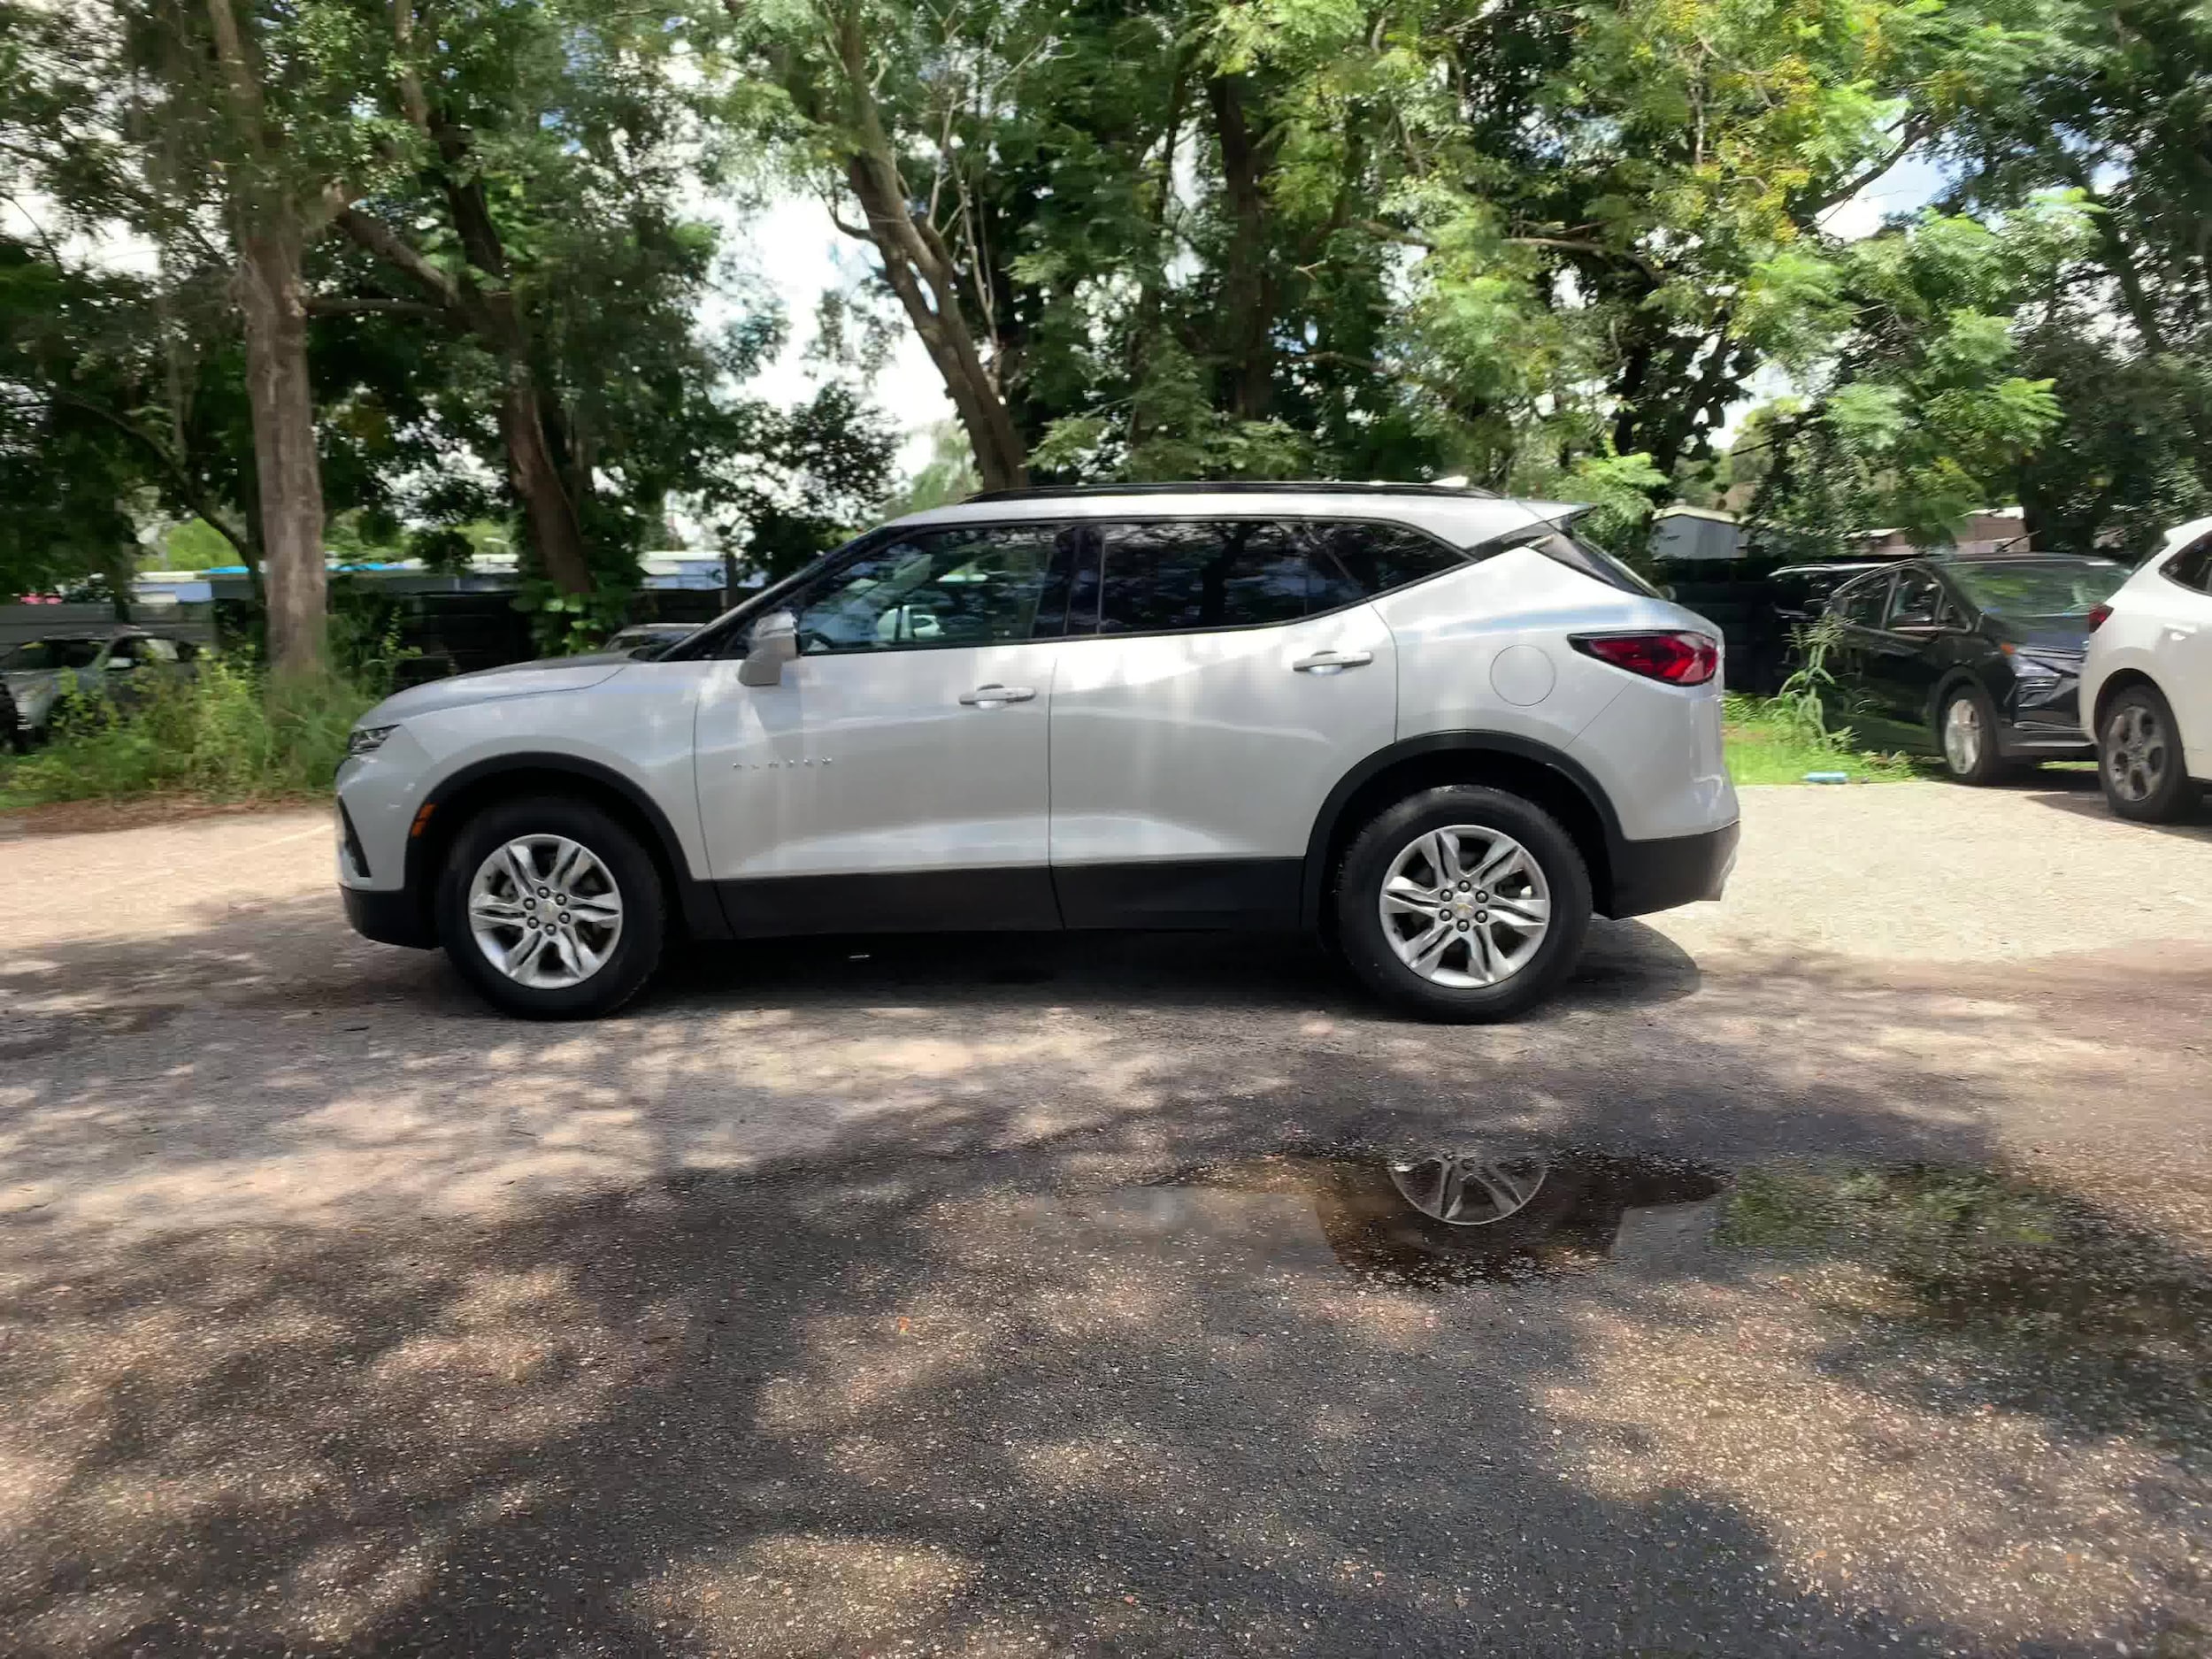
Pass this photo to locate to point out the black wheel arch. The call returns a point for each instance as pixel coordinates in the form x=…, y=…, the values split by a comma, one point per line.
x=1535, y=771
x=456, y=798
x=2117, y=682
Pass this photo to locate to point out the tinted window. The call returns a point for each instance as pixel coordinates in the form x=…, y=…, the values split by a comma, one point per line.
x=1916, y=601
x=1175, y=578
x=1861, y=604
x=52, y=654
x=2192, y=567
x=153, y=650
x=930, y=589
x=1353, y=562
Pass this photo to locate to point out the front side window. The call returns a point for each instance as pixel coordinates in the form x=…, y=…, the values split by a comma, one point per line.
x=1916, y=602
x=931, y=589
x=1178, y=578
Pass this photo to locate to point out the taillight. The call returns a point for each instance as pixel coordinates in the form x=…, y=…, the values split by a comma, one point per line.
x=1680, y=659
x=2098, y=614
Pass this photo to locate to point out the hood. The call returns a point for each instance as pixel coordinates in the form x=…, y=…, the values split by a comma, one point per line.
x=486, y=685
x=2068, y=636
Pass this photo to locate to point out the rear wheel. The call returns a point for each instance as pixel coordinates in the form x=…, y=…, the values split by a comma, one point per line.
x=1968, y=728
x=552, y=908
x=1463, y=904
x=2140, y=758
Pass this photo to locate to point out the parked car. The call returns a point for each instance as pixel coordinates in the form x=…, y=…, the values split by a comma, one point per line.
x=1430, y=726
x=38, y=674
x=645, y=640
x=2147, y=687
x=1975, y=661
x=1801, y=591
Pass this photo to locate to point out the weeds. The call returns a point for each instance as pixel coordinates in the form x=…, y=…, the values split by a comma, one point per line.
x=225, y=732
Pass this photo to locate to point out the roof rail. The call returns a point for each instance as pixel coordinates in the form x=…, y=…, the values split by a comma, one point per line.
x=1237, y=486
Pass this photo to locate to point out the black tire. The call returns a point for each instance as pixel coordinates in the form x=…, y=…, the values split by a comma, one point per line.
x=2140, y=763
x=1359, y=925
x=644, y=923
x=1987, y=766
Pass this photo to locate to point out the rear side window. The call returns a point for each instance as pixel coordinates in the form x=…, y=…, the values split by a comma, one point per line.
x=1861, y=604
x=1353, y=562
x=1176, y=578
x=2192, y=567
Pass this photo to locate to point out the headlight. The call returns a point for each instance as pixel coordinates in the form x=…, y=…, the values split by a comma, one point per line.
x=366, y=740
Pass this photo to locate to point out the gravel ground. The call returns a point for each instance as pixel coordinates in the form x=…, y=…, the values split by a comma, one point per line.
x=859, y=1297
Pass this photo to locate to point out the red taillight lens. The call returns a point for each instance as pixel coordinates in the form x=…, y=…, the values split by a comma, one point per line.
x=2097, y=616
x=1680, y=659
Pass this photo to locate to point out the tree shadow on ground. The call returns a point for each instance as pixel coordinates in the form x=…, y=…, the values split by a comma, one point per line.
x=2089, y=803
x=835, y=1407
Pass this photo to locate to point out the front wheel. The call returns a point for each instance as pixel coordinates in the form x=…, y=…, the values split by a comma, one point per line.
x=2139, y=759
x=552, y=908
x=1463, y=904
x=1968, y=726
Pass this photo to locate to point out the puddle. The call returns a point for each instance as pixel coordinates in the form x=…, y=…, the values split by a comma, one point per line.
x=1480, y=1215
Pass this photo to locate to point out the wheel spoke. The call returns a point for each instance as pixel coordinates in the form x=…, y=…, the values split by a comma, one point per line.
x=1443, y=849
x=489, y=910
x=520, y=960
x=1420, y=952
x=1529, y=915
x=604, y=911
x=1482, y=953
x=569, y=858
x=519, y=859
x=1505, y=858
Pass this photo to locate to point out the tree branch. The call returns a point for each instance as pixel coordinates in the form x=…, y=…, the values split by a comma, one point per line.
x=376, y=305
x=375, y=237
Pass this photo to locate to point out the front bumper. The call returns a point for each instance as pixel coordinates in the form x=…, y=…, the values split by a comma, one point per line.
x=390, y=918
x=1657, y=875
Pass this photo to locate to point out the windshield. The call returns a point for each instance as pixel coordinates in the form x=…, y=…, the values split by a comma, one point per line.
x=50, y=654
x=2029, y=587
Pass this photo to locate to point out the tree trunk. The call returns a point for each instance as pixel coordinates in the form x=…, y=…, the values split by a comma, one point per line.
x=267, y=291
x=555, y=530
x=1247, y=282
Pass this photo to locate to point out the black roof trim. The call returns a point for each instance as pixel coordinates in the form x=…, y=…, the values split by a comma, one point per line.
x=1237, y=486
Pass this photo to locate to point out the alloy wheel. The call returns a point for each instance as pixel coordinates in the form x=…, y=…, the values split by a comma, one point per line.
x=1962, y=735
x=1465, y=906
x=545, y=911
x=2135, y=752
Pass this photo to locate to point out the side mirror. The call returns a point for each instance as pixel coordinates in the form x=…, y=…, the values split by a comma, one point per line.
x=775, y=643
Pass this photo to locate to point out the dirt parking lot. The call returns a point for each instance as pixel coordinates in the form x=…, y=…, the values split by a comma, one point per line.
x=998, y=1295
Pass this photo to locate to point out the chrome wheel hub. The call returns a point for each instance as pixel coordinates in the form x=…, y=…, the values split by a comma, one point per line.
x=1962, y=735
x=545, y=911
x=1465, y=906
x=1469, y=1189
x=2135, y=752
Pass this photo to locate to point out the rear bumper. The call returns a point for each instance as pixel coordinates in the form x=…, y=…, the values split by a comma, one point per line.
x=1657, y=875
x=388, y=917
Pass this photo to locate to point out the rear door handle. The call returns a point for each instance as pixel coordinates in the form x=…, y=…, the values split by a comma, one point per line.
x=1332, y=661
x=991, y=696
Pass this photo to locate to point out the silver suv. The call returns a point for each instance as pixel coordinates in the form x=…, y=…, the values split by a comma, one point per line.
x=1429, y=726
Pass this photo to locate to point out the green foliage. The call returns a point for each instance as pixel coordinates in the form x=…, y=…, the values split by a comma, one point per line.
x=224, y=733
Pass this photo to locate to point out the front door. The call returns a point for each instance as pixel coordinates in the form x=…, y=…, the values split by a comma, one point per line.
x=1213, y=691
x=1851, y=701
x=897, y=777
x=2182, y=650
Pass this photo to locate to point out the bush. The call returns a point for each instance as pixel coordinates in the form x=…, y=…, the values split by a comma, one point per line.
x=227, y=732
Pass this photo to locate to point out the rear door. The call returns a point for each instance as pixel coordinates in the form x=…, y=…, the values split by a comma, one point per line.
x=897, y=777
x=1853, y=701
x=1219, y=678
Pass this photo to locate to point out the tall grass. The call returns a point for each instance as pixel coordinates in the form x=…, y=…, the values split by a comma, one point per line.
x=228, y=732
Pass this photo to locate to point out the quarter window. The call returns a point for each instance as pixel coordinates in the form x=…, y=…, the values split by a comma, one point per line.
x=2192, y=567
x=1176, y=578
x=934, y=589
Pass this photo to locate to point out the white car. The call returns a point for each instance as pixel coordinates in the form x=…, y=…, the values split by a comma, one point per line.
x=1428, y=725
x=2147, y=684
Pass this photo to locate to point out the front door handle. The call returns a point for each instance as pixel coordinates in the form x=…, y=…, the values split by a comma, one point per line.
x=991, y=696
x=1333, y=662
